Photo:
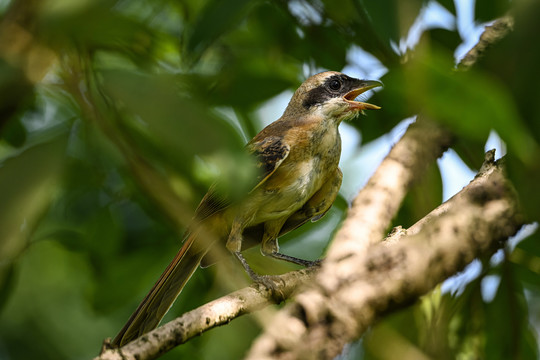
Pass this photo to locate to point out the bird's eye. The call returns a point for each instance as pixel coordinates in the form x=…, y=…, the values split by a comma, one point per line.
x=335, y=85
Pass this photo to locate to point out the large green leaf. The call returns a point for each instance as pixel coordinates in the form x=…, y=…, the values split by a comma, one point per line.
x=27, y=184
x=98, y=26
x=27, y=181
x=178, y=131
x=331, y=49
x=469, y=103
x=217, y=18
x=179, y=124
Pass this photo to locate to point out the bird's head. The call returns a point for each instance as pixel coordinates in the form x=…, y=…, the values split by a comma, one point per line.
x=332, y=95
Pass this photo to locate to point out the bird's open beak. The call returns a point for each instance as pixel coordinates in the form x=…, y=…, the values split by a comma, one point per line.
x=358, y=105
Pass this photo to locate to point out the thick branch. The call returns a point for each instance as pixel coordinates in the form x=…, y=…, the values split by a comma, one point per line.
x=379, y=200
x=328, y=316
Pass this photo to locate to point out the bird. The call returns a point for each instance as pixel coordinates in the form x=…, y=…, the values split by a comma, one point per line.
x=297, y=181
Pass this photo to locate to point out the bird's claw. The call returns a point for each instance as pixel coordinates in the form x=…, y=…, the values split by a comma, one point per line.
x=315, y=263
x=273, y=284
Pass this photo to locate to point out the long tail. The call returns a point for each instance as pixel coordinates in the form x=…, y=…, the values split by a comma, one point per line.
x=163, y=294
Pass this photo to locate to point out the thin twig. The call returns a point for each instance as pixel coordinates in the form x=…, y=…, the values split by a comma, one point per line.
x=208, y=316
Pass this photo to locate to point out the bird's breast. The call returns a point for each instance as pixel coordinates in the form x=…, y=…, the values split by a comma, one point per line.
x=299, y=177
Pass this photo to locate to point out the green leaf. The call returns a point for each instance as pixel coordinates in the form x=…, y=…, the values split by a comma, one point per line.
x=467, y=328
x=526, y=261
x=16, y=96
x=442, y=38
x=512, y=62
x=531, y=244
x=508, y=333
x=27, y=181
x=240, y=87
x=525, y=178
x=392, y=18
x=176, y=123
x=401, y=329
x=469, y=103
x=14, y=133
x=217, y=18
x=178, y=131
x=99, y=26
x=335, y=47
x=7, y=282
x=51, y=285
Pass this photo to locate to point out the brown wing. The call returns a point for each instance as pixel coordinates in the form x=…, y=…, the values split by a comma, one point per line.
x=269, y=153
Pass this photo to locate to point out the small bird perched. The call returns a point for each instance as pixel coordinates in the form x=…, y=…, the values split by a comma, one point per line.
x=299, y=179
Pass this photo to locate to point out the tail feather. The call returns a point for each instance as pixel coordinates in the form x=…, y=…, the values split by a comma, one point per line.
x=162, y=295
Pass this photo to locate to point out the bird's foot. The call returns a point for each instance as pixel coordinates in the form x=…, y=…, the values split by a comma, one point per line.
x=272, y=283
x=314, y=263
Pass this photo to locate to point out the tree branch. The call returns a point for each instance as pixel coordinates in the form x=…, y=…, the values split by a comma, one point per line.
x=379, y=200
x=208, y=316
x=490, y=36
x=332, y=313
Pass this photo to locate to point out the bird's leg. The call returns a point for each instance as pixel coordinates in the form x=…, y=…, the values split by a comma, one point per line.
x=270, y=246
x=252, y=274
x=234, y=244
x=295, y=260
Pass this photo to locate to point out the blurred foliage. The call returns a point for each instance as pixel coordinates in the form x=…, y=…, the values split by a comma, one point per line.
x=464, y=323
x=116, y=116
